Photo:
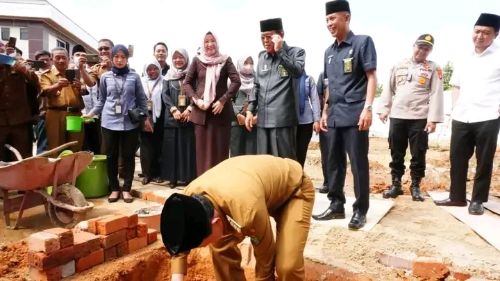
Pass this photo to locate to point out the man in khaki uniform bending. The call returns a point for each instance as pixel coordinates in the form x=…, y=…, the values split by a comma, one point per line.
x=413, y=100
x=233, y=200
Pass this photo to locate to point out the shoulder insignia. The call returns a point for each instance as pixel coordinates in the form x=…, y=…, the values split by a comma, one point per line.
x=439, y=72
x=234, y=224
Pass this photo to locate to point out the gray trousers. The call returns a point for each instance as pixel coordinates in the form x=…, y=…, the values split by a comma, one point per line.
x=279, y=142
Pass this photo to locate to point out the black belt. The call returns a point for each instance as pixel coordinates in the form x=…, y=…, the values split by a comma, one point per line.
x=66, y=108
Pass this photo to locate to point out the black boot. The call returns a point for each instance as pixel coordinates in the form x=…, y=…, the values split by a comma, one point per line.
x=395, y=190
x=415, y=189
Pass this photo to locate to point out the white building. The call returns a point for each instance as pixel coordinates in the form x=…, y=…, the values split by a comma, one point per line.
x=38, y=25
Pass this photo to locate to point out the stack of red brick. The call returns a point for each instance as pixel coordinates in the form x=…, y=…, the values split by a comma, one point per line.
x=57, y=253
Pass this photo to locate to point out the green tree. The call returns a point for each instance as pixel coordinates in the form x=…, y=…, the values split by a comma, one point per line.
x=447, y=72
x=380, y=88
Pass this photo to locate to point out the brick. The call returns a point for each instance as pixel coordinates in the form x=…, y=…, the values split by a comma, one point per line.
x=53, y=274
x=110, y=254
x=90, y=260
x=131, y=232
x=122, y=249
x=115, y=238
x=461, y=276
x=65, y=236
x=85, y=243
x=137, y=243
x=112, y=224
x=152, y=235
x=44, y=261
x=430, y=268
x=43, y=242
x=133, y=220
x=92, y=223
x=68, y=269
x=142, y=229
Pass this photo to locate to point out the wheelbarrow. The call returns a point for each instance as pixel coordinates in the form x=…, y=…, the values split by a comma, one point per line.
x=32, y=176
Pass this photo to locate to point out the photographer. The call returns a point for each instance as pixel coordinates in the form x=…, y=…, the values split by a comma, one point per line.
x=63, y=99
x=18, y=89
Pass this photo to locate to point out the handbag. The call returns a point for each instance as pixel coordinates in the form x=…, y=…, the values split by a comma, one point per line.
x=136, y=115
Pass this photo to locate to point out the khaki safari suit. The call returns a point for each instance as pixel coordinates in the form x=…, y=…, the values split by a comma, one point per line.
x=246, y=191
x=65, y=102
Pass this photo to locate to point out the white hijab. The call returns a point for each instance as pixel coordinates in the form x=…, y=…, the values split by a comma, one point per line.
x=153, y=88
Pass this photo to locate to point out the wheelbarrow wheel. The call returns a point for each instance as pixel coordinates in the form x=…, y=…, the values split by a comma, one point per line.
x=70, y=195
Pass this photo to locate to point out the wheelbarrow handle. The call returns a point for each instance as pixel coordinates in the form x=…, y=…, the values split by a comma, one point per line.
x=54, y=150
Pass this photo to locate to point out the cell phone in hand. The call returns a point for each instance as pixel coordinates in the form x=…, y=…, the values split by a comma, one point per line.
x=92, y=58
x=70, y=74
x=37, y=64
x=12, y=42
x=130, y=51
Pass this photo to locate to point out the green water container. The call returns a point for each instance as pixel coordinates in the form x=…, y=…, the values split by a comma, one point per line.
x=93, y=181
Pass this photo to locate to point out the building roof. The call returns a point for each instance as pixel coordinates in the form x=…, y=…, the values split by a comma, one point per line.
x=44, y=11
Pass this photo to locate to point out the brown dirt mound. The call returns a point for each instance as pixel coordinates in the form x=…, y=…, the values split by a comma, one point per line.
x=12, y=257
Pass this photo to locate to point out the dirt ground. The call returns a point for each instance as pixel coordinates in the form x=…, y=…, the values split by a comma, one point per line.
x=409, y=229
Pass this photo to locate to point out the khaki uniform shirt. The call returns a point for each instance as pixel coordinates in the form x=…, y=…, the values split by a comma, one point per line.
x=246, y=190
x=66, y=97
x=414, y=91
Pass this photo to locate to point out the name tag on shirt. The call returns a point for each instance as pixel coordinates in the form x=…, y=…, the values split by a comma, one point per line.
x=348, y=65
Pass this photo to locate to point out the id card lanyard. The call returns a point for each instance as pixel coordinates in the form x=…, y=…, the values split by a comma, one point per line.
x=118, y=103
x=150, y=97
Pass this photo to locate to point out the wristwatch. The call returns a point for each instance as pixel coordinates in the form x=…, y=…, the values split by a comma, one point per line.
x=368, y=107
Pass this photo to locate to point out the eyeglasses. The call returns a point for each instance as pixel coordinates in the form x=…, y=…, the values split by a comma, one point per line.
x=103, y=48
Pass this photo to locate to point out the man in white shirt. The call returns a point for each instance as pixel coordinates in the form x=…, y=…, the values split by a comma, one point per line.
x=475, y=116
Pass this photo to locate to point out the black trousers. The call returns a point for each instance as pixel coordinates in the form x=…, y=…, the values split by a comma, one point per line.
x=123, y=143
x=277, y=141
x=355, y=143
x=464, y=138
x=304, y=134
x=402, y=131
x=323, y=147
x=151, y=146
x=243, y=142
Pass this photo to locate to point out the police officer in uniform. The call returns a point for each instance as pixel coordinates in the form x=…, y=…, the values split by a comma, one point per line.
x=350, y=67
x=276, y=85
x=413, y=99
x=235, y=199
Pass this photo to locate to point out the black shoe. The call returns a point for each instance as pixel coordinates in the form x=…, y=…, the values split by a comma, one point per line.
x=358, y=220
x=330, y=214
x=323, y=189
x=172, y=184
x=395, y=189
x=158, y=180
x=129, y=199
x=141, y=175
x=476, y=208
x=448, y=203
x=114, y=199
x=145, y=180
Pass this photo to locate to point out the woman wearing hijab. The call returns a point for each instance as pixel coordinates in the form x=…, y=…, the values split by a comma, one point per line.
x=206, y=85
x=120, y=90
x=151, y=142
x=178, y=152
x=243, y=142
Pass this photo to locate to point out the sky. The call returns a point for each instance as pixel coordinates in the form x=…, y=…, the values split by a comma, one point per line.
x=394, y=26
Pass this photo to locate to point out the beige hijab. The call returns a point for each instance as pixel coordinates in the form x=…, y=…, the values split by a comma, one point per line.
x=214, y=64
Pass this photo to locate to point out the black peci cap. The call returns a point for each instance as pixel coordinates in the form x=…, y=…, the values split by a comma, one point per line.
x=184, y=223
x=490, y=20
x=78, y=49
x=337, y=6
x=271, y=24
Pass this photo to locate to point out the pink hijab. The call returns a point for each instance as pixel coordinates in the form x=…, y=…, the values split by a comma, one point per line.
x=214, y=64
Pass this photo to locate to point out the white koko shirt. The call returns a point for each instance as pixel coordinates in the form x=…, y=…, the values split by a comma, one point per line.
x=478, y=77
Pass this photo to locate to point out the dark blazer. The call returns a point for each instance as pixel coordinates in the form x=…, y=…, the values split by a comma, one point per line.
x=18, y=98
x=194, y=85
